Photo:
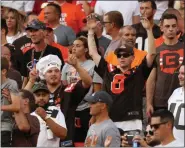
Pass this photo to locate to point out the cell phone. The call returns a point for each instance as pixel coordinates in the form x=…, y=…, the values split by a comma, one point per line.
x=129, y=139
x=54, y=113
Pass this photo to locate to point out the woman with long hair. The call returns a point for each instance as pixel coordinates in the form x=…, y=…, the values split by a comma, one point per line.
x=69, y=75
x=15, y=25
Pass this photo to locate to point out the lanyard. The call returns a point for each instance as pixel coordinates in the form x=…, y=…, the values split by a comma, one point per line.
x=32, y=56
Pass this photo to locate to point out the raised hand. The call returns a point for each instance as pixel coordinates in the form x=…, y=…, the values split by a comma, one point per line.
x=108, y=141
x=91, y=21
x=41, y=112
x=33, y=75
x=146, y=23
x=72, y=60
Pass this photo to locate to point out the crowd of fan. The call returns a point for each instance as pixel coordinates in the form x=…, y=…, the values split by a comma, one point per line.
x=92, y=73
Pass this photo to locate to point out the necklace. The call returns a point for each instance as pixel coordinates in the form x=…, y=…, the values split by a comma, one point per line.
x=41, y=55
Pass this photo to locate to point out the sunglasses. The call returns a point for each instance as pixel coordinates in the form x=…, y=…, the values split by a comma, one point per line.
x=124, y=55
x=156, y=126
x=151, y=133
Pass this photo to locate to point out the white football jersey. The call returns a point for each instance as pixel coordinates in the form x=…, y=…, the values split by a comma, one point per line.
x=176, y=106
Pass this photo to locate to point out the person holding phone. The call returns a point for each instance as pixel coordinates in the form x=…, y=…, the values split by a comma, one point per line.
x=52, y=121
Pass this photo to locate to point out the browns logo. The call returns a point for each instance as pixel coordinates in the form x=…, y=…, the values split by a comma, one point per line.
x=170, y=60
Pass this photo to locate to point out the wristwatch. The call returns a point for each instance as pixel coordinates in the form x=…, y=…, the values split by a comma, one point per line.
x=47, y=117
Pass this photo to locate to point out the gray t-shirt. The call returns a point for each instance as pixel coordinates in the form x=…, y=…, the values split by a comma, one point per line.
x=112, y=46
x=103, y=44
x=64, y=35
x=104, y=129
x=70, y=75
x=6, y=117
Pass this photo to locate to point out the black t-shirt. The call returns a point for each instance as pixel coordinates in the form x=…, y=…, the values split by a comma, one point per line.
x=69, y=97
x=141, y=35
x=28, y=57
x=125, y=89
x=22, y=42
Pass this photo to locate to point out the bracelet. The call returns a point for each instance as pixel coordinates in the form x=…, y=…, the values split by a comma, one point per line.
x=47, y=117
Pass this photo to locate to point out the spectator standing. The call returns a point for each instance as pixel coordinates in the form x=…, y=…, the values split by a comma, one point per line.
x=7, y=105
x=71, y=15
x=120, y=82
x=128, y=9
x=64, y=35
x=113, y=22
x=52, y=121
x=26, y=128
x=100, y=103
x=13, y=21
x=40, y=49
x=128, y=37
x=70, y=75
x=163, y=79
x=176, y=106
x=147, y=9
x=49, y=39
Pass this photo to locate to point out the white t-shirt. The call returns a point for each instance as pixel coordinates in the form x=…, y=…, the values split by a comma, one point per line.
x=25, y=6
x=174, y=143
x=161, y=7
x=11, y=39
x=43, y=140
x=176, y=106
x=127, y=9
x=129, y=125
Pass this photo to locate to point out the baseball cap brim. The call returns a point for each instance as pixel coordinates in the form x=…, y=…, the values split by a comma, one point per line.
x=126, y=50
x=32, y=27
x=90, y=99
x=40, y=89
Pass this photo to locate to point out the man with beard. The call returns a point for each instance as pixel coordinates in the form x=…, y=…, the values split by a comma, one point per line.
x=163, y=79
x=147, y=9
x=67, y=98
x=52, y=121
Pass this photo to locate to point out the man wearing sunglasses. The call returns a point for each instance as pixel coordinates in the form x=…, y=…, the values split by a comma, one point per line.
x=162, y=123
x=150, y=139
x=123, y=83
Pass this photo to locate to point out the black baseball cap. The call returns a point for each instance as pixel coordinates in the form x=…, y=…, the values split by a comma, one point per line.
x=126, y=49
x=40, y=87
x=100, y=96
x=36, y=24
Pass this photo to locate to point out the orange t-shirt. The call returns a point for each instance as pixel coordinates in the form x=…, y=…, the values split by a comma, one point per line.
x=72, y=16
x=111, y=58
x=160, y=40
x=91, y=3
x=63, y=50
